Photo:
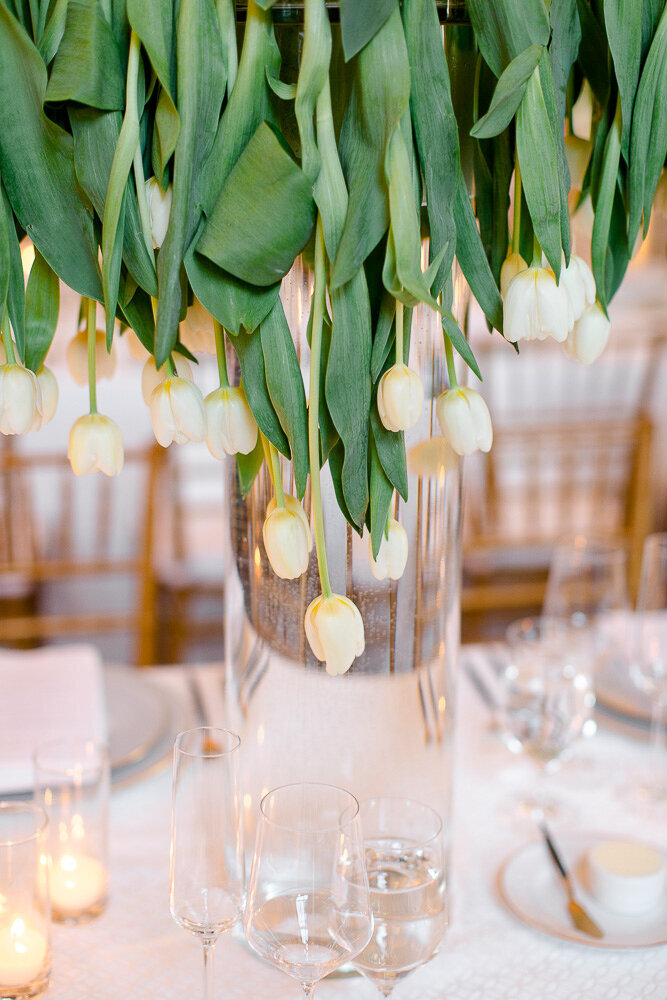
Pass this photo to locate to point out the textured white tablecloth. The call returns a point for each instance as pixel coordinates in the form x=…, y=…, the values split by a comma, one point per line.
x=135, y=951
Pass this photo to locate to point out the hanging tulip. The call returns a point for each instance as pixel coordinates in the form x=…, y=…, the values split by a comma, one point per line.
x=400, y=398
x=287, y=538
x=197, y=330
x=335, y=632
x=177, y=412
x=579, y=283
x=392, y=556
x=535, y=307
x=231, y=426
x=20, y=400
x=95, y=445
x=151, y=377
x=49, y=389
x=589, y=335
x=159, y=207
x=464, y=420
x=512, y=265
x=77, y=357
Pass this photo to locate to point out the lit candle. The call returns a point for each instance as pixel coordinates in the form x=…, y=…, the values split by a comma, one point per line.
x=23, y=949
x=77, y=884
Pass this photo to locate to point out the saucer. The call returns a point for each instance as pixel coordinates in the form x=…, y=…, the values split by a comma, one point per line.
x=532, y=890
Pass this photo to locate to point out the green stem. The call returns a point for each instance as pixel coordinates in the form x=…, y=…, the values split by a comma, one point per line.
x=221, y=354
x=516, y=225
x=7, y=338
x=314, y=409
x=449, y=356
x=91, y=333
x=399, y=332
x=273, y=465
x=537, y=253
x=144, y=213
x=170, y=367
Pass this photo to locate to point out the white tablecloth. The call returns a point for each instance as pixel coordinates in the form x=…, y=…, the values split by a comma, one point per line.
x=136, y=951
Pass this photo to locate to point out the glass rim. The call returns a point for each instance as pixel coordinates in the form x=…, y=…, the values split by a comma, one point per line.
x=27, y=808
x=82, y=766
x=395, y=799
x=324, y=828
x=210, y=753
x=590, y=543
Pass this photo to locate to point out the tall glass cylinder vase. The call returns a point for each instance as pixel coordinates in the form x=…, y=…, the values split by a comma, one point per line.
x=384, y=729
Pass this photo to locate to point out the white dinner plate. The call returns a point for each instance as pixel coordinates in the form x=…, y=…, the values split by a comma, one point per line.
x=138, y=714
x=531, y=888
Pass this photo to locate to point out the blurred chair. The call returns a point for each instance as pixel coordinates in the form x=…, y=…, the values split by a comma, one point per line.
x=76, y=551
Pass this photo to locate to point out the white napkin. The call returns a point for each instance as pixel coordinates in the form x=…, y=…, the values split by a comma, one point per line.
x=46, y=694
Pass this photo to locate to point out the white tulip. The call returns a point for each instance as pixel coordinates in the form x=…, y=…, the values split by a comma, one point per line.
x=20, y=400
x=196, y=330
x=512, y=265
x=400, y=398
x=77, y=357
x=151, y=377
x=579, y=283
x=588, y=338
x=159, y=207
x=535, y=307
x=177, y=412
x=432, y=458
x=231, y=426
x=49, y=389
x=95, y=445
x=136, y=348
x=392, y=556
x=287, y=538
x=335, y=632
x=464, y=420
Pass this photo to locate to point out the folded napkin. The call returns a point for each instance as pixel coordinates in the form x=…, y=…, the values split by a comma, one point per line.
x=46, y=694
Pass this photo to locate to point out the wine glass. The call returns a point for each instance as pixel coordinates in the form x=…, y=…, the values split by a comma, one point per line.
x=587, y=576
x=545, y=698
x=207, y=865
x=649, y=663
x=405, y=861
x=308, y=909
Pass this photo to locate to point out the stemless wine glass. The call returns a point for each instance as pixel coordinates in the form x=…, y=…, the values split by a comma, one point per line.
x=405, y=861
x=207, y=866
x=649, y=663
x=308, y=908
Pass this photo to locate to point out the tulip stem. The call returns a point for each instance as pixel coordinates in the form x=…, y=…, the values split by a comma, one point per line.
x=7, y=338
x=399, y=332
x=144, y=214
x=221, y=354
x=314, y=409
x=516, y=223
x=170, y=367
x=449, y=357
x=537, y=253
x=273, y=465
x=91, y=333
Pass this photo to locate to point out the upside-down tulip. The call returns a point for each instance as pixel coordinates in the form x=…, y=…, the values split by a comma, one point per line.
x=20, y=400
x=464, y=420
x=151, y=377
x=231, y=426
x=49, y=389
x=335, y=632
x=196, y=330
x=177, y=412
x=535, y=307
x=77, y=357
x=512, y=265
x=95, y=445
x=392, y=555
x=579, y=283
x=287, y=538
x=400, y=398
x=589, y=335
x=159, y=207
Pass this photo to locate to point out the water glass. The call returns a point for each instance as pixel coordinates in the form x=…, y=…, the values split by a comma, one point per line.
x=405, y=862
x=587, y=576
x=72, y=779
x=25, y=953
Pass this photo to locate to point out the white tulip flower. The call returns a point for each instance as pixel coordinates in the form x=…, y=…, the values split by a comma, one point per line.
x=178, y=412
x=197, y=331
x=589, y=335
x=464, y=420
x=432, y=458
x=535, y=307
x=231, y=426
x=512, y=265
x=77, y=357
x=159, y=207
x=20, y=400
x=49, y=389
x=335, y=632
x=400, y=398
x=151, y=377
x=287, y=538
x=579, y=283
x=392, y=556
x=95, y=445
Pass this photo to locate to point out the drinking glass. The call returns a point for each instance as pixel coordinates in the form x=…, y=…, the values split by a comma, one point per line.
x=207, y=866
x=405, y=862
x=72, y=779
x=649, y=663
x=587, y=576
x=545, y=697
x=308, y=909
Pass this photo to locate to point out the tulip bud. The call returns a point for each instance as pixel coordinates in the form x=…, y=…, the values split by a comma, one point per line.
x=196, y=330
x=335, y=632
x=95, y=445
x=464, y=420
x=579, y=283
x=393, y=553
x=77, y=357
x=231, y=425
x=177, y=412
x=400, y=398
x=512, y=265
x=535, y=307
x=287, y=538
x=159, y=207
x=49, y=389
x=588, y=338
x=20, y=400
x=151, y=377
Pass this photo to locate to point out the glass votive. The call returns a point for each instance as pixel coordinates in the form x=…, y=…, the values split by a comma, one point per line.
x=72, y=784
x=25, y=953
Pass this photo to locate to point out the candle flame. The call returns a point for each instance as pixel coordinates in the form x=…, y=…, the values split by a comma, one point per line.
x=68, y=863
x=17, y=930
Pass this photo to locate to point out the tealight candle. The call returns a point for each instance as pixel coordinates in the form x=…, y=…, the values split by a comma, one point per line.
x=78, y=884
x=23, y=949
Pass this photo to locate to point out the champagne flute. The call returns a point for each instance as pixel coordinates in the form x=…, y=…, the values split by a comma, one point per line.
x=308, y=909
x=649, y=664
x=405, y=861
x=207, y=866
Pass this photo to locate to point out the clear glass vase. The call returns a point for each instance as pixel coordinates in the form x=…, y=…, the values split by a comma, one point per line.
x=385, y=728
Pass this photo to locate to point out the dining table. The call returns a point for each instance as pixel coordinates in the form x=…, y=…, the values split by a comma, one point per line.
x=136, y=951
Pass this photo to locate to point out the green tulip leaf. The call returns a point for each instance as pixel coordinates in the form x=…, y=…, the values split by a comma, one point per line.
x=623, y=24
x=12, y=265
x=54, y=31
x=360, y=22
x=381, y=496
x=558, y=131
x=470, y=255
x=593, y=44
x=248, y=467
x=313, y=74
x=504, y=28
x=390, y=448
x=137, y=309
x=88, y=67
x=459, y=343
x=42, y=304
x=564, y=46
x=336, y=460
x=508, y=93
x=248, y=348
x=603, y=209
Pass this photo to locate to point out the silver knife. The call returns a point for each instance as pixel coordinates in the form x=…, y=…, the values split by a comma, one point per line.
x=581, y=920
